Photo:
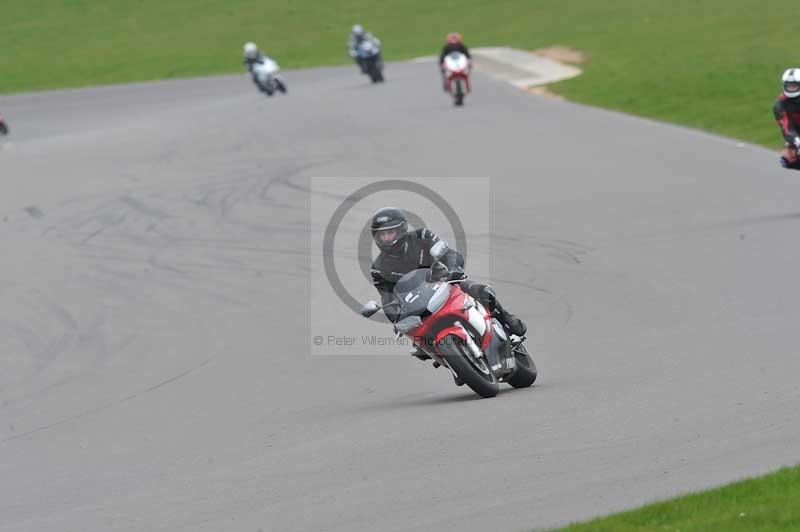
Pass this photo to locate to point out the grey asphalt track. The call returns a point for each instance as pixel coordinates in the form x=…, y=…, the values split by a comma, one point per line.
x=154, y=366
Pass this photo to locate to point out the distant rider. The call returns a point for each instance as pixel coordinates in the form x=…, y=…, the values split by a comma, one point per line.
x=357, y=36
x=787, y=113
x=253, y=56
x=403, y=251
x=455, y=43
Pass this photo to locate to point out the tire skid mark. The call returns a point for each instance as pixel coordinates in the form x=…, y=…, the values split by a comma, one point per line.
x=107, y=406
x=58, y=333
x=136, y=237
x=51, y=318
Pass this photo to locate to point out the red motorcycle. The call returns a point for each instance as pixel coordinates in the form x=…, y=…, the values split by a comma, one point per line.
x=456, y=71
x=457, y=332
x=3, y=126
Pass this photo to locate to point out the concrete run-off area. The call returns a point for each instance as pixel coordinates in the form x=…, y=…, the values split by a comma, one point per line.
x=520, y=68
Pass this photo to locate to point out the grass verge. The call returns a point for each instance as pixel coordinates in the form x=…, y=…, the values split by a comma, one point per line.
x=763, y=504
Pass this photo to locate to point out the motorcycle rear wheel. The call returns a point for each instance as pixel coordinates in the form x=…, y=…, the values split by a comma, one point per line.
x=474, y=372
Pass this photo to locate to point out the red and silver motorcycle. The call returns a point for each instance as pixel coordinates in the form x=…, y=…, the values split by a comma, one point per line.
x=456, y=74
x=457, y=332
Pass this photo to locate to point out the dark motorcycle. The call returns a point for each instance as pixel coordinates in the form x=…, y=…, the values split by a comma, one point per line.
x=368, y=56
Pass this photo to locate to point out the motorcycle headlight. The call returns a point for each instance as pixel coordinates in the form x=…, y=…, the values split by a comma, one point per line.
x=408, y=324
x=439, y=298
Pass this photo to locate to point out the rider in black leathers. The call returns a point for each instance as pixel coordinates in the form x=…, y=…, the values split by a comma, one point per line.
x=454, y=44
x=403, y=251
x=787, y=113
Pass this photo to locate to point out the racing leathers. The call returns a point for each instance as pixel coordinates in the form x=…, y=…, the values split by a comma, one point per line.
x=352, y=47
x=453, y=47
x=787, y=113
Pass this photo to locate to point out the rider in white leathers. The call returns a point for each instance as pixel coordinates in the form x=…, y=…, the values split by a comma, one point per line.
x=254, y=56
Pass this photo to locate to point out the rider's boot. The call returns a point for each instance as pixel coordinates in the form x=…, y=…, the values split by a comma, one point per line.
x=488, y=298
x=510, y=321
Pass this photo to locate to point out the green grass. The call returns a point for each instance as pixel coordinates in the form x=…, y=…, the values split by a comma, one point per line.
x=712, y=64
x=764, y=504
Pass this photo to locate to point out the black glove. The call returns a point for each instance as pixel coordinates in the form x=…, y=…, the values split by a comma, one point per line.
x=457, y=274
x=438, y=272
x=488, y=296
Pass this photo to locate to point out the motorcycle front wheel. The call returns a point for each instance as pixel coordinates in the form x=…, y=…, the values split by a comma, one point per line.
x=375, y=73
x=473, y=371
x=524, y=373
x=459, y=96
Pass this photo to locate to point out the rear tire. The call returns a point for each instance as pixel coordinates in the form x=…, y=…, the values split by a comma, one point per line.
x=525, y=372
x=3, y=129
x=460, y=360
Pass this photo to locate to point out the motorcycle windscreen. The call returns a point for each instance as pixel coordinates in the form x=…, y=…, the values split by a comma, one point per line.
x=414, y=291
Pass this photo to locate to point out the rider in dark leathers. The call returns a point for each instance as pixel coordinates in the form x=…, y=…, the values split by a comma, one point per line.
x=787, y=112
x=403, y=251
x=454, y=44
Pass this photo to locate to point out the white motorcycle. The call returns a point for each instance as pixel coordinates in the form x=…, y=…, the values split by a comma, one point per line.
x=266, y=77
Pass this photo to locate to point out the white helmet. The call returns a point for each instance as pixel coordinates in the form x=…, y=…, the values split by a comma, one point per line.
x=358, y=30
x=791, y=83
x=250, y=50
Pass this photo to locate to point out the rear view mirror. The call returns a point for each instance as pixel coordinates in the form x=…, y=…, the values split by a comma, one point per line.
x=370, y=308
x=439, y=249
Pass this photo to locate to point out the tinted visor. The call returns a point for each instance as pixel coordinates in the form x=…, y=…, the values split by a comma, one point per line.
x=387, y=236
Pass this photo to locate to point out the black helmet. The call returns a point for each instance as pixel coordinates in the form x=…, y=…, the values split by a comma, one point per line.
x=389, y=229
